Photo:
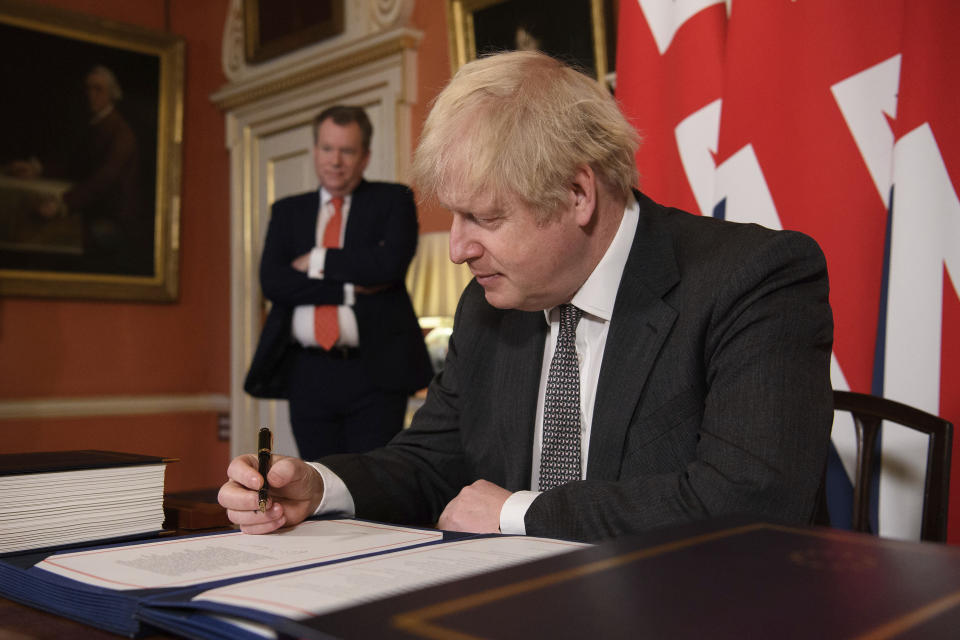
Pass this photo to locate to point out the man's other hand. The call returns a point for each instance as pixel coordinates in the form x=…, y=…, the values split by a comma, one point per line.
x=476, y=509
x=302, y=263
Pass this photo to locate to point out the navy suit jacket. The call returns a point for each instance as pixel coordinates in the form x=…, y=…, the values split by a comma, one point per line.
x=714, y=393
x=379, y=242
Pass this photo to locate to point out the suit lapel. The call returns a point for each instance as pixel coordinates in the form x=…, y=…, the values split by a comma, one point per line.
x=640, y=324
x=518, y=381
x=355, y=220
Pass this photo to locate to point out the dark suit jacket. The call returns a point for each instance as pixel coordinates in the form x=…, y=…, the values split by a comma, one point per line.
x=714, y=393
x=379, y=243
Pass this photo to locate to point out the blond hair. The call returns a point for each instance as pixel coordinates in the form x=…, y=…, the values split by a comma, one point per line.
x=520, y=124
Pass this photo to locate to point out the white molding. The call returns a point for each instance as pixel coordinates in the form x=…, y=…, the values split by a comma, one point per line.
x=256, y=87
x=367, y=23
x=113, y=406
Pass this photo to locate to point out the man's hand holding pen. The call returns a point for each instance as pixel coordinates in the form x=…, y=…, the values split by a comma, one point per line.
x=295, y=491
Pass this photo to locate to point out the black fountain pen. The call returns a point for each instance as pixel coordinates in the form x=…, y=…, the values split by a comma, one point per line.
x=263, y=465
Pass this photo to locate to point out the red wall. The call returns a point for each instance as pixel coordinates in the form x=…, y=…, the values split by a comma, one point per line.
x=56, y=348
x=52, y=348
x=433, y=72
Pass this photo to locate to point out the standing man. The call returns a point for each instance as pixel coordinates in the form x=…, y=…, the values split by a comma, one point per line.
x=615, y=366
x=341, y=341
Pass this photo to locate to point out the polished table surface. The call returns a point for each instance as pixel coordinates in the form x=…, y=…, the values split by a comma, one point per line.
x=18, y=622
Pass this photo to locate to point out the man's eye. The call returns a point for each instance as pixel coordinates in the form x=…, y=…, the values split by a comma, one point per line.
x=485, y=221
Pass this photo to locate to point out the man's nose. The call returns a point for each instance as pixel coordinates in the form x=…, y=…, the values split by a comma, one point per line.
x=463, y=246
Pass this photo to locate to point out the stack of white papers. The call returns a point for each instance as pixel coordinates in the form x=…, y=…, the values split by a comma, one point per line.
x=42, y=507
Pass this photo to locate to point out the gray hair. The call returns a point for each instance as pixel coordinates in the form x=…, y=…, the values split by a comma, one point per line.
x=520, y=124
x=116, y=93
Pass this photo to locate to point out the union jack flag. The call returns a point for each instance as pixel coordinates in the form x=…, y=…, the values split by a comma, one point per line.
x=841, y=120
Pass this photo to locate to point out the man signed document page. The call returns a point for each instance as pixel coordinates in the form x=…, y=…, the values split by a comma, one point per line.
x=331, y=587
x=194, y=560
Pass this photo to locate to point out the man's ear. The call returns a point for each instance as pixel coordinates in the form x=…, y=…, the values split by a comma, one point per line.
x=583, y=189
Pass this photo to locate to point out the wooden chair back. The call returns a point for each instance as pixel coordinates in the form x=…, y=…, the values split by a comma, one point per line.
x=868, y=413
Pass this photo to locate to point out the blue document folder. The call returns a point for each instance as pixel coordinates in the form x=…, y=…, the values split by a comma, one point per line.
x=137, y=588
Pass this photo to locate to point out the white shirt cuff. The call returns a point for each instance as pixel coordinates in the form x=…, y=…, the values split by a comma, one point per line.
x=336, y=500
x=513, y=511
x=349, y=294
x=318, y=256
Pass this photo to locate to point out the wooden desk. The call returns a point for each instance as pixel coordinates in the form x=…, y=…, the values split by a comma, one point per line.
x=18, y=622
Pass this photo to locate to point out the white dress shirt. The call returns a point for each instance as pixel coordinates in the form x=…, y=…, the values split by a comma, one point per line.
x=303, y=315
x=596, y=299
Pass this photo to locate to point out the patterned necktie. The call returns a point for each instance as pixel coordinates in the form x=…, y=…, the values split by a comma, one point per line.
x=326, y=328
x=560, y=457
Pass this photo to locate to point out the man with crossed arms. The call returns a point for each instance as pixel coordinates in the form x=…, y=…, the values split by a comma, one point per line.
x=700, y=349
x=341, y=342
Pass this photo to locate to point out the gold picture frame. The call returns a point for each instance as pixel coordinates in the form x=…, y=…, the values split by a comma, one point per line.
x=574, y=31
x=289, y=25
x=90, y=156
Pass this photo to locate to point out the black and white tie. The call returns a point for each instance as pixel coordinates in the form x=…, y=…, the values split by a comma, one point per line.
x=560, y=457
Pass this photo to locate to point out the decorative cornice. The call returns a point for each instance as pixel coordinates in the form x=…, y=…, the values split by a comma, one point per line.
x=113, y=406
x=387, y=14
x=308, y=70
x=232, y=49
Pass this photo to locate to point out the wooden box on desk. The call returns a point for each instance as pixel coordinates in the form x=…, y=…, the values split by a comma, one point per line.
x=712, y=580
x=193, y=510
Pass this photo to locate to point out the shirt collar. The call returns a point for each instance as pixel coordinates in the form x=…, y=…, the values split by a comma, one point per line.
x=100, y=115
x=326, y=197
x=599, y=293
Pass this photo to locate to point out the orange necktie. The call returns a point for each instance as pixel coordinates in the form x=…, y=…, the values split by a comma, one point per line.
x=326, y=328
